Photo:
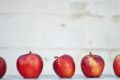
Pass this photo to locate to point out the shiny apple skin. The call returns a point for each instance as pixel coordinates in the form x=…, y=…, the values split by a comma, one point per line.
x=3, y=67
x=116, y=65
x=92, y=66
x=30, y=65
x=64, y=66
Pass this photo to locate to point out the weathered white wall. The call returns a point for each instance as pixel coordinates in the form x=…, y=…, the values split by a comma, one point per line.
x=55, y=27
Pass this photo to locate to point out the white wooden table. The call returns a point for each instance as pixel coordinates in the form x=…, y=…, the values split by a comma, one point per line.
x=54, y=77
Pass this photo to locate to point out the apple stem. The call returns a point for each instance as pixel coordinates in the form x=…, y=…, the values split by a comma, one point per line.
x=90, y=53
x=56, y=57
x=30, y=52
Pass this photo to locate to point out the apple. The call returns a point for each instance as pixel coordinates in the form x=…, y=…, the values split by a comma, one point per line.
x=92, y=65
x=116, y=65
x=64, y=66
x=30, y=65
x=3, y=67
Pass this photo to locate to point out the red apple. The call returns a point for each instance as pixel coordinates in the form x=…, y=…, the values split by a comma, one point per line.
x=64, y=66
x=3, y=67
x=92, y=65
x=30, y=65
x=116, y=65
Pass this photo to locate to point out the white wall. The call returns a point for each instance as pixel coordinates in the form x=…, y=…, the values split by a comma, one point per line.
x=55, y=27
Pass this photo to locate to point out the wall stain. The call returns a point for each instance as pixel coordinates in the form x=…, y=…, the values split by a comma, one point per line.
x=4, y=13
x=63, y=25
x=116, y=18
x=86, y=14
x=78, y=6
x=46, y=59
x=15, y=2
